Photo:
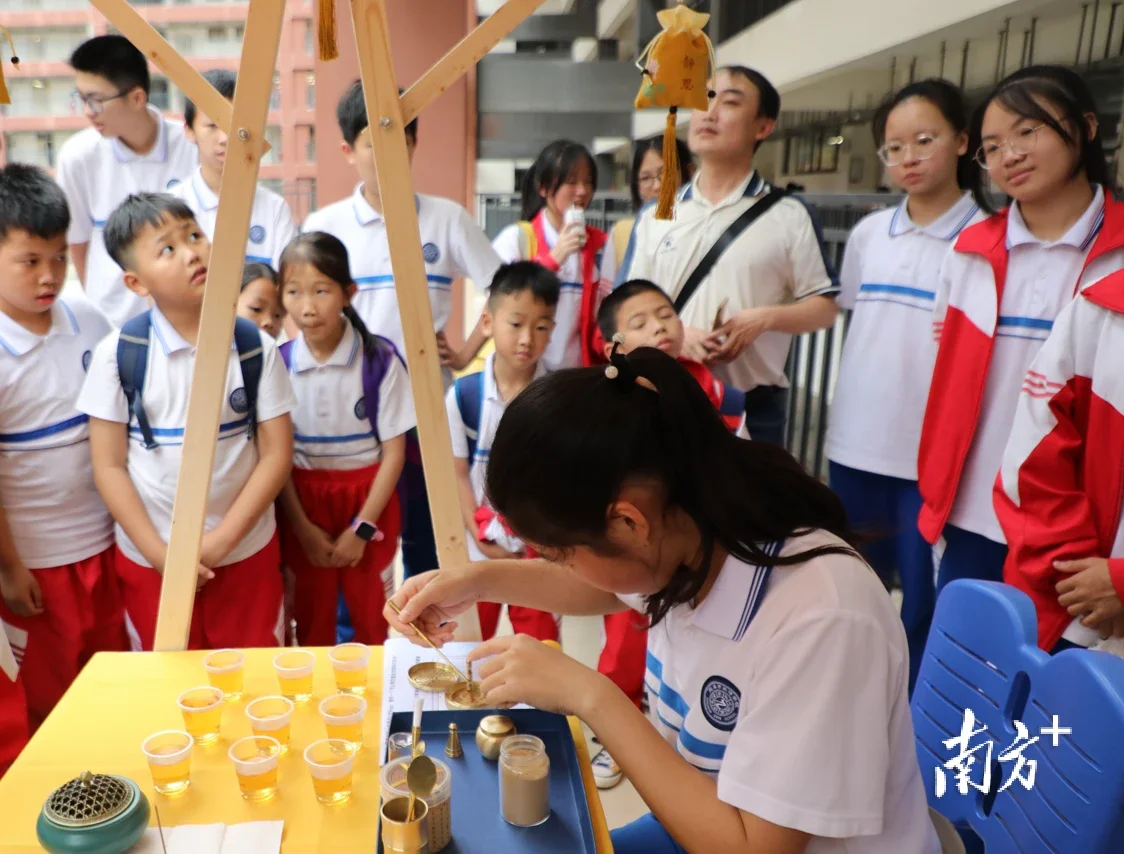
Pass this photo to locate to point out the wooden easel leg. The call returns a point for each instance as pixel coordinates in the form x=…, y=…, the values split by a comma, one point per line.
x=388, y=138
x=467, y=52
x=228, y=254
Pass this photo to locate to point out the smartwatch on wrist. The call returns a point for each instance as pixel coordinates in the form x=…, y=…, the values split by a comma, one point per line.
x=366, y=531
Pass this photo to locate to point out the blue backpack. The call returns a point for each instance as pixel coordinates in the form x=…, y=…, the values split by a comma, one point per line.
x=375, y=366
x=469, y=392
x=132, y=365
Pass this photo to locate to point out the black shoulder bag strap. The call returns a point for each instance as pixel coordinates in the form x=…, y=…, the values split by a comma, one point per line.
x=723, y=243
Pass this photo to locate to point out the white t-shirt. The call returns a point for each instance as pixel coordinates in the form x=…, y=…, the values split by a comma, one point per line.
x=171, y=361
x=789, y=685
x=889, y=277
x=492, y=407
x=271, y=221
x=46, y=478
x=780, y=259
x=97, y=174
x=1041, y=280
x=452, y=245
x=331, y=424
x=564, y=349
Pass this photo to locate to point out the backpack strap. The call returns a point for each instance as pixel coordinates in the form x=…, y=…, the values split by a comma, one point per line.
x=530, y=240
x=286, y=351
x=132, y=364
x=469, y=391
x=374, y=370
x=247, y=339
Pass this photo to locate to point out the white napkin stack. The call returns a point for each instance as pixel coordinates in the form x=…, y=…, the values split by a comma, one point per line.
x=252, y=837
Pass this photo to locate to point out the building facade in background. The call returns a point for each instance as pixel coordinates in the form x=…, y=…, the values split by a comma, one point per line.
x=207, y=33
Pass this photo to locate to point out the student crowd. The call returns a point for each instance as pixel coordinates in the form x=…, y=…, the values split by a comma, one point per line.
x=976, y=432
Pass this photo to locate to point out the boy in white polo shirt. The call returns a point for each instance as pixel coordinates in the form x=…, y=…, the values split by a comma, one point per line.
x=271, y=221
x=452, y=244
x=136, y=444
x=60, y=599
x=129, y=148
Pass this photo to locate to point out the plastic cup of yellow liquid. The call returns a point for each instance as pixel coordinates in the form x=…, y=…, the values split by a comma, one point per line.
x=202, y=713
x=255, y=761
x=294, y=671
x=349, y=664
x=331, y=763
x=169, y=759
x=225, y=668
x=343, y=717
x=272, y=717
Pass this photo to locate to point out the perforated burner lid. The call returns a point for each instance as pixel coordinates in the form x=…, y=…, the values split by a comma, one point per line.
x=88, y=800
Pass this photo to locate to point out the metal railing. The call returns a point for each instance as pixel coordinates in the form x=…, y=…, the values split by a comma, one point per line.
x=813, y=361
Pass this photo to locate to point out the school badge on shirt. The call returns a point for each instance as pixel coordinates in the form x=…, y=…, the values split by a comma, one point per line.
x=257, y=234
x=720, y=703
x=238, y=401
x=431, y=253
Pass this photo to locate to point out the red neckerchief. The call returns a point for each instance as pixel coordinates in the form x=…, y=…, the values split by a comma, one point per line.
x=592, y=344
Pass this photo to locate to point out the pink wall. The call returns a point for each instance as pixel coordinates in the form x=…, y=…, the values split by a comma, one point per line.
x=421, y=32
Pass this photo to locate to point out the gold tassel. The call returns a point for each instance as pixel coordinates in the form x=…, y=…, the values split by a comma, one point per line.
x=5, y=98
x=326, y=29
x=669, y=187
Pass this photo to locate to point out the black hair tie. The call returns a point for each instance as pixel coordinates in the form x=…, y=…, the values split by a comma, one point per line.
x=618, y=367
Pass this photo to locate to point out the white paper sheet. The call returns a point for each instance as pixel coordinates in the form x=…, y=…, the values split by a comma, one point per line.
x=251, y=837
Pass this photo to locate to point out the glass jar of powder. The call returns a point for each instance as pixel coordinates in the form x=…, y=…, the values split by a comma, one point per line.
x=524, y=781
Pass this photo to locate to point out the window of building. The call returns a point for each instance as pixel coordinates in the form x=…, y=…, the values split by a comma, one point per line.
x=310, y=91
x=813, y=151
x=310, y=149
x=159, y=95
x=216, y=34
x=273, y=137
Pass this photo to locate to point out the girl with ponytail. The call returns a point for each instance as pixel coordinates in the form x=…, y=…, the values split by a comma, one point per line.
x=354, y=408
x=777, y=667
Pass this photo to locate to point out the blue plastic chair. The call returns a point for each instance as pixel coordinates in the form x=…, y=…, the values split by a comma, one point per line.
x=982, y=655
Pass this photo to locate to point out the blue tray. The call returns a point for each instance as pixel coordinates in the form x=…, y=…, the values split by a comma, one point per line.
x=478, y=827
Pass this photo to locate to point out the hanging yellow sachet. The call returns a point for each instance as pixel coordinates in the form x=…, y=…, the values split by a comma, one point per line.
x=676, y=65
x=5, y=98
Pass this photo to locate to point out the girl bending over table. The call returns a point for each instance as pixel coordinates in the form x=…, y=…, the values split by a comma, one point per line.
x=777, y=666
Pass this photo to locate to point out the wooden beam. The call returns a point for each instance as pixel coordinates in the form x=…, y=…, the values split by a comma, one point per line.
x=388, y=138
x=153, y=45
x=469, y=51
x=212, y=354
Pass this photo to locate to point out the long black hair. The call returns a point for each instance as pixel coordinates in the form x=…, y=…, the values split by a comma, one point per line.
x=602, y=432
x=655, y=144
x=554, y=165
x=327, y=254
x=1023, y=93
x=945, y=97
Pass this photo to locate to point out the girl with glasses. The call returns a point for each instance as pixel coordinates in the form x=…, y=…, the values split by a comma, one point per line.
x=1037, y=137
x=889, y=281
x=645, y=179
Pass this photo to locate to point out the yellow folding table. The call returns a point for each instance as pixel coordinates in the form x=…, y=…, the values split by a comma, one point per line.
x=121, y=698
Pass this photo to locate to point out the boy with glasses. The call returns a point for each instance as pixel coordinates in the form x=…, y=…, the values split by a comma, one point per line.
x=129, y=148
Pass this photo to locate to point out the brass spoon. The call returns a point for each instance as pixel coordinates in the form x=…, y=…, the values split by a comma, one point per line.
x=421, y=777
x=434, y=646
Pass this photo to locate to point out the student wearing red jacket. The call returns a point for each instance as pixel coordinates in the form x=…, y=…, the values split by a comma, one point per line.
x=1060, y=492
x=1001, y=288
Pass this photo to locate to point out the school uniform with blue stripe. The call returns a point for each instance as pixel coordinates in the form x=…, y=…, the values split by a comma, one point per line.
x=889, y=279
x=54, y=512
x=788, y=686
x=453, y=246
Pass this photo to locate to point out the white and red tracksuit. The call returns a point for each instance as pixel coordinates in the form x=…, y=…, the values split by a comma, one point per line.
x=965, y=323
x=1060, y=492
x=13, y=708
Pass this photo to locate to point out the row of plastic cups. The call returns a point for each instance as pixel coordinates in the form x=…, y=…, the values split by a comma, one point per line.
x=294, y=667
x=256, y=759
x=343, y=716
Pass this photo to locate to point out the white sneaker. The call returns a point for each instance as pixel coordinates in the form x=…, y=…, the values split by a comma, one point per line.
x=606, y=772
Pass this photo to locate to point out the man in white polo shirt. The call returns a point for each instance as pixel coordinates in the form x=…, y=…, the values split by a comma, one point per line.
x=129, y=148
x=772, y=282
x=271, y=221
